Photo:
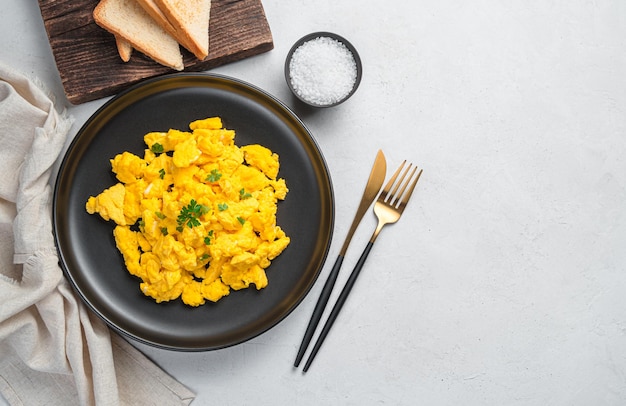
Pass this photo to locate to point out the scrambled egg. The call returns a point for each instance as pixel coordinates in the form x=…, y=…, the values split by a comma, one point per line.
x=196, y=216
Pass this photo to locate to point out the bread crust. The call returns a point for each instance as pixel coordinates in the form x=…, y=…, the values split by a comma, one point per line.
x=155, y=12
x=190, y=19
x=124, y=49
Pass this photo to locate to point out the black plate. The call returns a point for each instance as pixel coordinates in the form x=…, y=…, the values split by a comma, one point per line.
x=85, y=242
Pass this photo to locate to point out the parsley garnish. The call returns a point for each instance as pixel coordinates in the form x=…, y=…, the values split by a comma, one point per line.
x=222, y=206
x=241, y=220
x=214, y=176
x=204, y=257
x=159, y=215
x=243, y=194
x=157, y=148
x=164, y=230
x=161, y=173
x=207, y=239
x=190, y=214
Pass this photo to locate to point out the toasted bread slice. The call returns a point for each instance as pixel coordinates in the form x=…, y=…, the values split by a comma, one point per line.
x=123, y=48
x=155, y=12
x=126, y=19
x=190, y=19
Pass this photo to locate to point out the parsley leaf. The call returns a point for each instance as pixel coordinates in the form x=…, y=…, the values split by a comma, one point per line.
x=159, y=215
x=214, y=176
x=241, y=220
x=207, y=239
x=243, y=194
x=190, y=214
x=164, y=230
x=161, y=173
x=157, y=148
x=222, y=206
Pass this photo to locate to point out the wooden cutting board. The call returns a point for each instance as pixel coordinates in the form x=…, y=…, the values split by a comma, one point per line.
x=87, y=59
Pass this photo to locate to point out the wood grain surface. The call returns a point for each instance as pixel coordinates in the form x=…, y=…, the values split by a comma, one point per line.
x=90, y=67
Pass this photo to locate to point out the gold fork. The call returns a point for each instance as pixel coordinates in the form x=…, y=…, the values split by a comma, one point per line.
x=388, y=208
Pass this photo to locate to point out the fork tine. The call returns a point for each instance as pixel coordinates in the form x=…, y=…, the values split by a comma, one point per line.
x=395, y=198
x=387, y=189
x=394, y=192
x=407, y=196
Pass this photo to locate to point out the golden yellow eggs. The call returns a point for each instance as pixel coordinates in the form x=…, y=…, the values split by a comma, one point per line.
x=196, y=215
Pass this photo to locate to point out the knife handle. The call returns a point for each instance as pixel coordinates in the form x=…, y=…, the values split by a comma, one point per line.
x=319, y=309
x=339, y=304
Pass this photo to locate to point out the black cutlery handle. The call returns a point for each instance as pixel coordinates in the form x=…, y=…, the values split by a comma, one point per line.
x=340, y=301
x=319, y=309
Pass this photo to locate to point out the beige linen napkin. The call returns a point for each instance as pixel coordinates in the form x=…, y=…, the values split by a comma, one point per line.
x=53, y=350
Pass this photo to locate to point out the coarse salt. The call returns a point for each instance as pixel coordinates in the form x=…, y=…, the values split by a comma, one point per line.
x=322, y=71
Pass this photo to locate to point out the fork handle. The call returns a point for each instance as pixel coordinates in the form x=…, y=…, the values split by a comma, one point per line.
x=339, y=304
x=319, y=309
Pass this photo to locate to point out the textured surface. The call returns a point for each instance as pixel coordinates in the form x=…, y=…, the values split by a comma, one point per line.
x=87, y=59
x=503, y=283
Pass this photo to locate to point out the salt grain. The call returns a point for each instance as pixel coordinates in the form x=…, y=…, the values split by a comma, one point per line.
x=322, y=71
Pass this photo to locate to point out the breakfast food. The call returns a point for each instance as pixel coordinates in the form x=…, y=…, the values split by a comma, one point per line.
x=144, y=24
x=196, y=215
x=155, y=12
x=124, y=49
x=127, y=20
x=190, y=19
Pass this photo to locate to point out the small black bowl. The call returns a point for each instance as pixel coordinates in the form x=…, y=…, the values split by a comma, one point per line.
x=312, y=36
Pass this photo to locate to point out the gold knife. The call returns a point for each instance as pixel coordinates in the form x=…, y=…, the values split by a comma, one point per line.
x=372, y=188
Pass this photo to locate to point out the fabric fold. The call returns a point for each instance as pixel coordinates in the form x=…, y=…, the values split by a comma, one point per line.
x=48, y=337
